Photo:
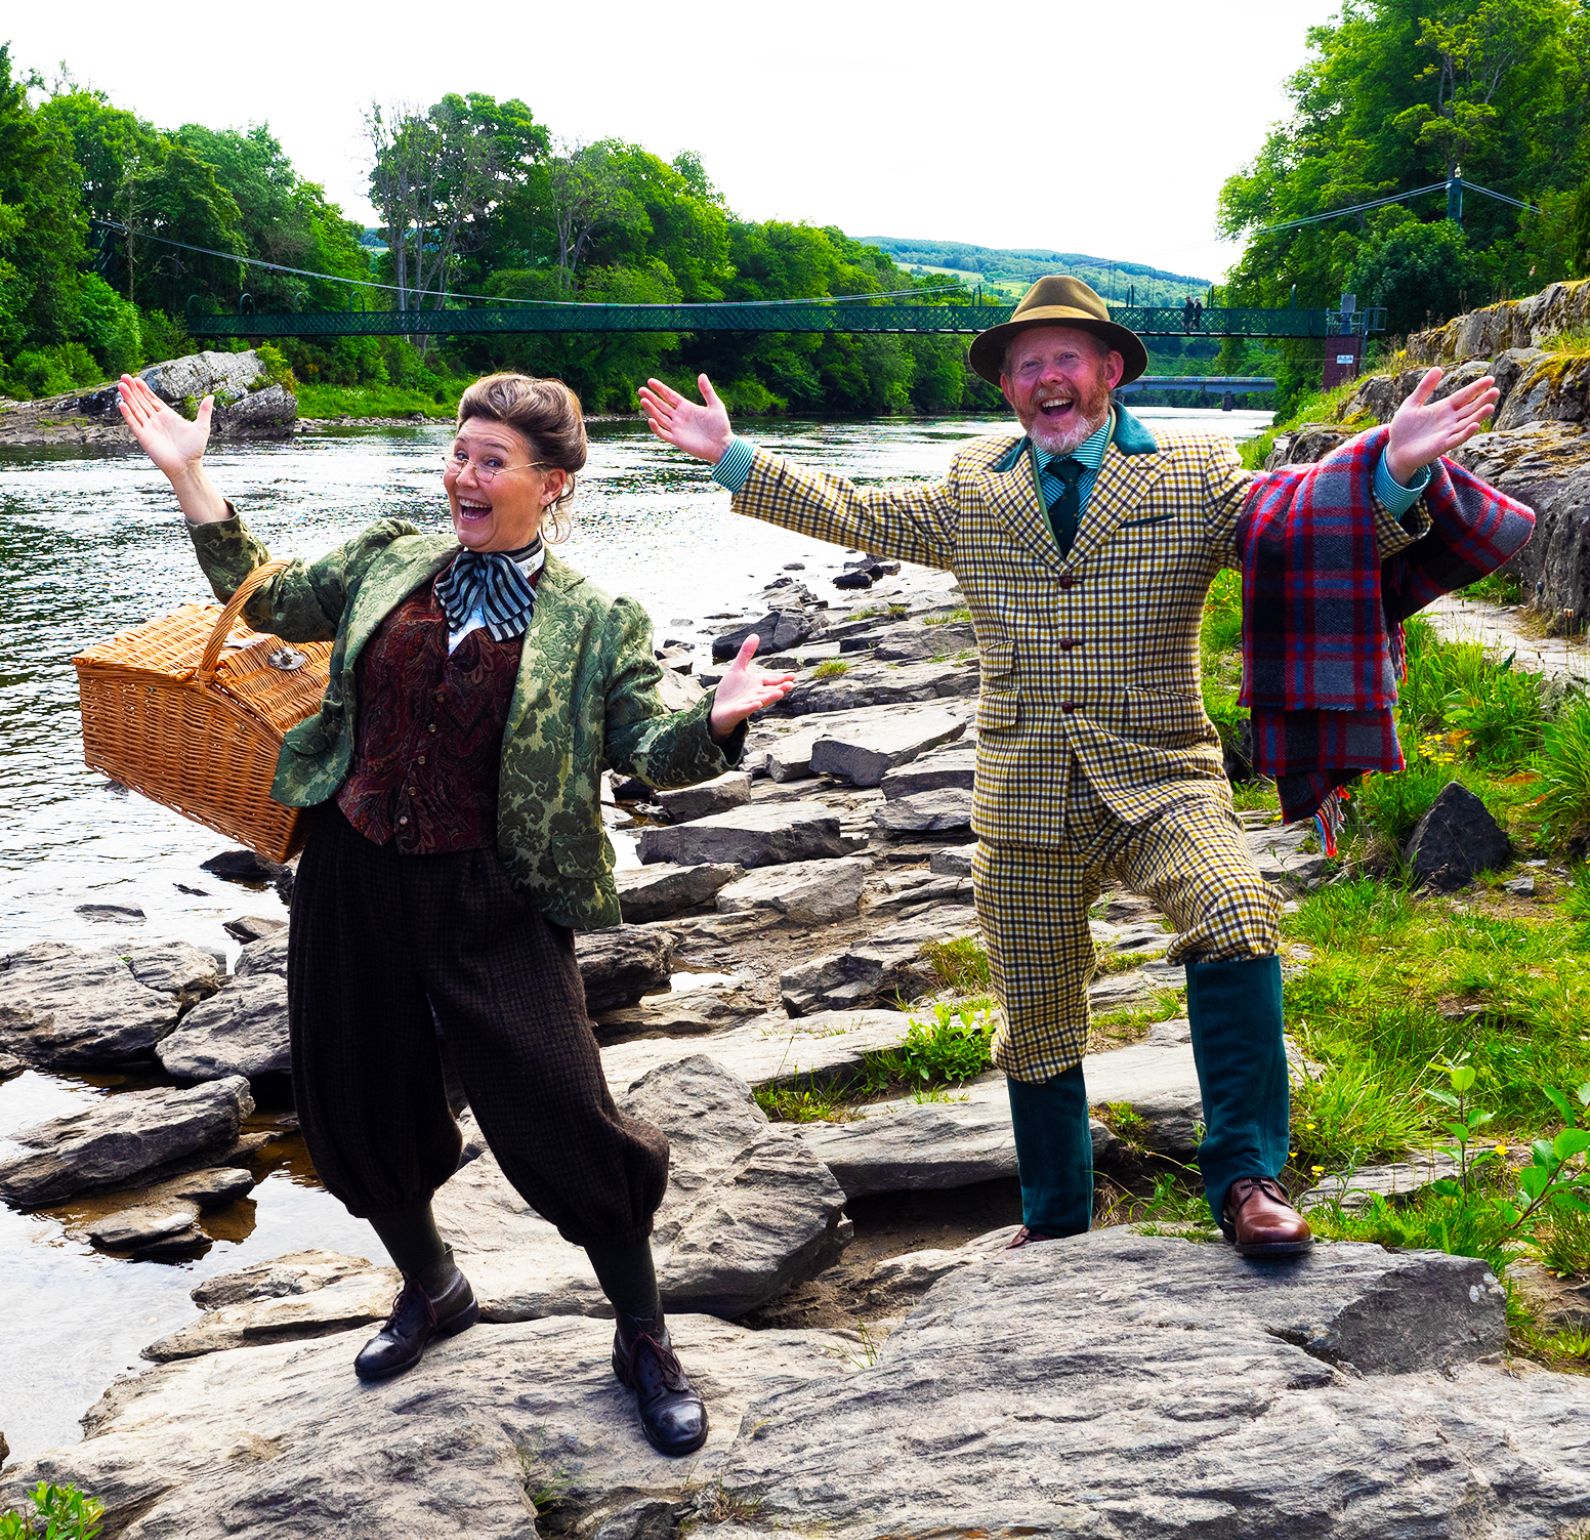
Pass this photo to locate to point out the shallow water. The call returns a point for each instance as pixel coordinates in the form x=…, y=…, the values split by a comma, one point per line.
x=91, y=543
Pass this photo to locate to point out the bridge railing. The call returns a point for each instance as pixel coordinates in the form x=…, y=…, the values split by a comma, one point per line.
x=795, y=316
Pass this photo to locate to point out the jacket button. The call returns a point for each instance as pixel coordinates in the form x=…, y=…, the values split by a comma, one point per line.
x=404, y=818
x=1067, y=580
x=431, y=728
x=419, y=759
x=1067, y=643
x=440, y=695
x=1069, y=707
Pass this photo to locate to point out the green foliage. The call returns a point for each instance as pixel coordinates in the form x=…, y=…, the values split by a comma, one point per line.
x=814, y=1102
x=830, y=668
x=950, y=1049
x=1565, y=774
x=109, y=326
x=277, y=370
x=1394, y=97
x=59, y=1513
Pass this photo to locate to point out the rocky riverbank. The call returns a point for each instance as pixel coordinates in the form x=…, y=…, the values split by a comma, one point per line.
x=248, y=404
x=869, y=1374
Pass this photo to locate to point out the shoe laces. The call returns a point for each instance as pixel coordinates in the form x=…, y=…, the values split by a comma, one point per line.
x=1245, y=1186
x=666, y=1368
x=410, y=1296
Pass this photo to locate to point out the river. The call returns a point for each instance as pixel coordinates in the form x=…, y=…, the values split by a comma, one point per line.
x=91, y=543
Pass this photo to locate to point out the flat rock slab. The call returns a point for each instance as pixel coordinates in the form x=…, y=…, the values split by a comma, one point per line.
x=759, y=835
x=749, y=1210
x=943, y=810
x=882, y=684
x=1352, y=1190
x=1289, y=856
x=280, y=1441
x=660, y=891
x=304, y=1294
x=241, y=1030
x=1139, y=1386
x=782, y=746
x=801, y=892
x=623, y=963
x=684, y=803
x=890, y=964
x=951, y=768
x=133, y=1229
x=772, y=1051
x=131, y=1135
x=681, y=1013
x=863, y=752
x=909, y=1146
x=63, y=1007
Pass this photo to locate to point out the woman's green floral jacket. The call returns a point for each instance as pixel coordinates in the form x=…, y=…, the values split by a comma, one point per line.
x=586, y=698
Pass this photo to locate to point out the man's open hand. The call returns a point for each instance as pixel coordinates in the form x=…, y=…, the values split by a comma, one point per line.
x=702, y=431
x=744, y=690
x=1423, y=430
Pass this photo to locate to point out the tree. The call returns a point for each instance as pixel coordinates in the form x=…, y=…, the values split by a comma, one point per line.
x=1420, y=273
x=437, y=176
x=175, y=197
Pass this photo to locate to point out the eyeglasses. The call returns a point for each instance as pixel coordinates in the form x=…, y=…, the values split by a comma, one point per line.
x=486, y=470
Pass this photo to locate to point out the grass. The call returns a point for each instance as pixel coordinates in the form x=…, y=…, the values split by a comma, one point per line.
x=947, y=617
x=830, y=668
x=1573, y=340
x=961, y=965
x=1320, y=407
x=439, y=402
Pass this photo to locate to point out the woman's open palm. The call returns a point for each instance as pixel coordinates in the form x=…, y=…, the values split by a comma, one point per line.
x=167, y=437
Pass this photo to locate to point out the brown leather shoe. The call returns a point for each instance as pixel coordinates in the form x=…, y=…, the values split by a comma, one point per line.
x=1259, y=1221
x=1026, y=1237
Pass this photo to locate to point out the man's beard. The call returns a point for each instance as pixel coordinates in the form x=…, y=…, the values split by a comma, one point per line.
x=1058, y=440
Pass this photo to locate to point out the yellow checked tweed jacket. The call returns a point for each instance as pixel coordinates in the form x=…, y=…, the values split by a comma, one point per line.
x=1089, y=661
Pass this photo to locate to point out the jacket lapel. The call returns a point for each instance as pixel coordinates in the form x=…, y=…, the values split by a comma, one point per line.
x=1124, y=480
x=1013, y=485
x=403, y=568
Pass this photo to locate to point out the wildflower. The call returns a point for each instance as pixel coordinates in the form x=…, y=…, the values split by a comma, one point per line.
x=1317, y=1170
x=1501, y=1149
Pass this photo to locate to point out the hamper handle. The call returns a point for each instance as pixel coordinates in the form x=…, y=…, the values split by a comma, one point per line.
x=229, y=613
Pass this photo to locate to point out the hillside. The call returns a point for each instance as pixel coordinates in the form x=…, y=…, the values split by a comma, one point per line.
x=1004, y=267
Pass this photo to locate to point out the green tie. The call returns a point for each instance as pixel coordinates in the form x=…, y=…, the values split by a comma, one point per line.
x=1060, y=478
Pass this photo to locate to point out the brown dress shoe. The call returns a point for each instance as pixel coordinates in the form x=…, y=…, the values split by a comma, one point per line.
x=1259, y=1221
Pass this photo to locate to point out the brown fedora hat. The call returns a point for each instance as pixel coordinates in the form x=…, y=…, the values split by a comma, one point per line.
x=1058, y=300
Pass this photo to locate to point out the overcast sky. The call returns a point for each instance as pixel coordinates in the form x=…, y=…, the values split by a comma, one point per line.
x=1106, y=128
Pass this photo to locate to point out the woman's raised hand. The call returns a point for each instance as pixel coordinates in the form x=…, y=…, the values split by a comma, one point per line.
x=169, y=439
x=743, y=690
x=702, y=431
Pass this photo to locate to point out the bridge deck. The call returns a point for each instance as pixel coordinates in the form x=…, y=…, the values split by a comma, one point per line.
x=795, y=316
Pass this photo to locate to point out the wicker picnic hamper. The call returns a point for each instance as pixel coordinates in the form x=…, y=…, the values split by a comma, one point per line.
x=191, y=712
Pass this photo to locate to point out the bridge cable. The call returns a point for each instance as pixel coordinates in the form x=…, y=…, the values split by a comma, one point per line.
x=495, y=299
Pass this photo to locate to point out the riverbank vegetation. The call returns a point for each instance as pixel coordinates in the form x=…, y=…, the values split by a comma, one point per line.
x=1394, y=97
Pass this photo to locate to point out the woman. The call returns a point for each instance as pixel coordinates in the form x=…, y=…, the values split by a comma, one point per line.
x=478, y=687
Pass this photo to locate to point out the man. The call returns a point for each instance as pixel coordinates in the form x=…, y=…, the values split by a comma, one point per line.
x=1085, y=549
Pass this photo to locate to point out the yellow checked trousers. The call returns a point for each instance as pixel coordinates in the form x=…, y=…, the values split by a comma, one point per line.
x=1032, y=908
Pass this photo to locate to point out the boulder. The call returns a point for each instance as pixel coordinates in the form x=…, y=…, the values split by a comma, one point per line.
x=186, y=973
x=243, y=866
x=110, y=912
x=759, y=835
x=918, y=643
x=801, y=892
x=126, y=1138
x=783, y=748
x=622, y=964
x=1456, y=840
x=1545, y=466
x=240, y=1031
x=749, y=1210
x=882, y=684
x=679, y=1013
x=659, y=891
x=1145, y=1386
x=145, y=1208
x=140, y=1229
x=253, y=927
x=778, y=629
x=278, y=1441
x=952, y=861
x=64, y=1008
x=864, y=753
x=266, y=955
x=684, y=803
x=1397, y=1181
x=941, y=811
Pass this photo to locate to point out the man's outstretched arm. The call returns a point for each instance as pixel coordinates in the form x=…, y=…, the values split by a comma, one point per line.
x=912, y=522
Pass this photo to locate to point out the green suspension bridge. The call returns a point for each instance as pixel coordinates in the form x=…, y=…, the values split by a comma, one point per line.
x=857, y=315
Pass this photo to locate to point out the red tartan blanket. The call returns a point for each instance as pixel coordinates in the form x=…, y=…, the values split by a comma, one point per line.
x=1322, y=632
